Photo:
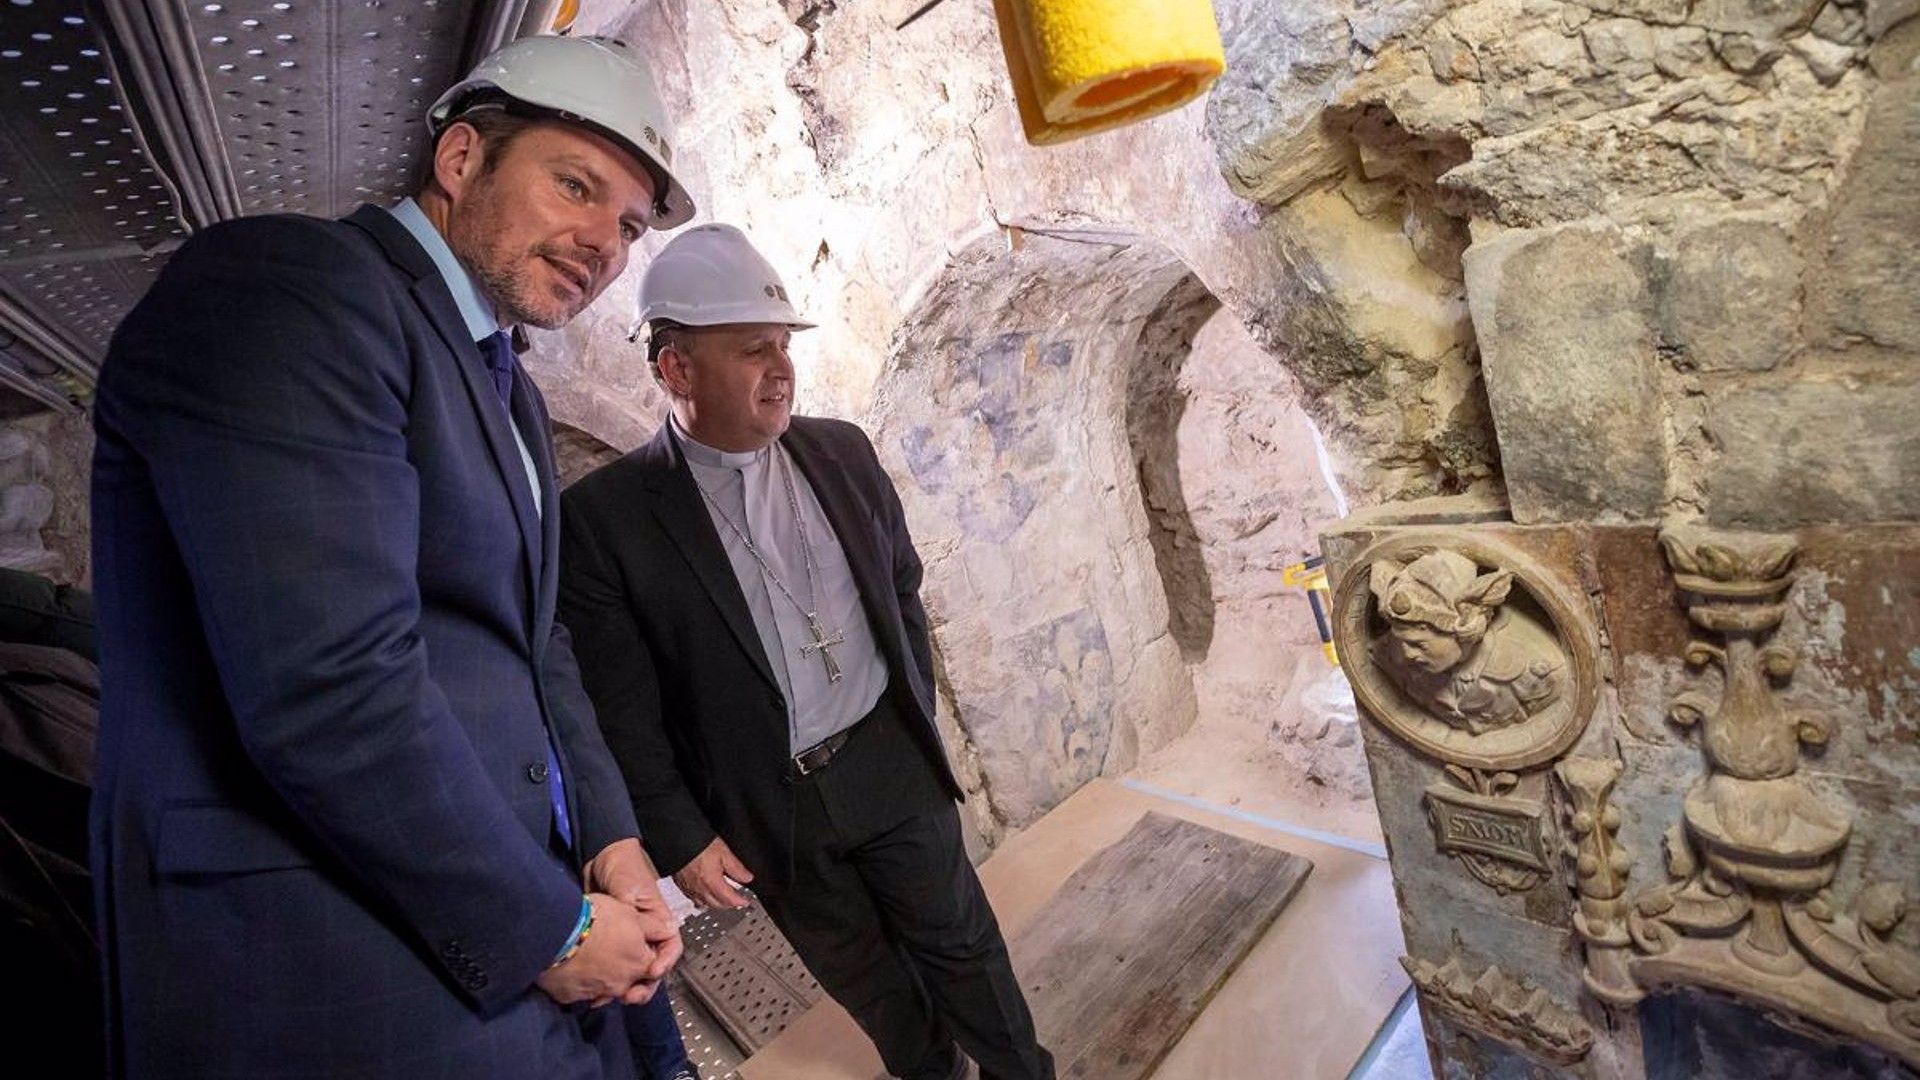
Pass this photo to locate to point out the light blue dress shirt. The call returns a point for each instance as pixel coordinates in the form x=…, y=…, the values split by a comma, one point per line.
x=473, y=305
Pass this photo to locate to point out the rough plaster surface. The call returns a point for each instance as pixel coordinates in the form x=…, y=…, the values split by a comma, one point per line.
x=862, y=158
x=1004, y=418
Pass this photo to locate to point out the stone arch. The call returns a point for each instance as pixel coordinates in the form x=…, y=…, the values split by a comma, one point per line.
x=1031, y=412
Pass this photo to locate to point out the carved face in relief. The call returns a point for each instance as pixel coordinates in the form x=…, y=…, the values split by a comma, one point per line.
x=1438, y=606
x=1450, y=645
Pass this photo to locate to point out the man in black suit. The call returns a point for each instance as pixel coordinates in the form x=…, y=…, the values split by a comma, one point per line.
x=744, y=601
x=353, y=816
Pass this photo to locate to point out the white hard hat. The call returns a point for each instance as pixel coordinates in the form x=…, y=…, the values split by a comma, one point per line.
x=711, y=275
x=597, y=82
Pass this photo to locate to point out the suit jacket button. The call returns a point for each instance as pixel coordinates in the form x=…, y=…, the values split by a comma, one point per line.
x=537, y=772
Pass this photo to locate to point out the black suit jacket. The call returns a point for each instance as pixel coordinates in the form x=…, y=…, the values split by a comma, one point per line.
x=670, y=656
x=330, y=669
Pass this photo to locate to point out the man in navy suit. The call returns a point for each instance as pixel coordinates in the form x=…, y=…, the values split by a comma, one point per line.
x=353, y=815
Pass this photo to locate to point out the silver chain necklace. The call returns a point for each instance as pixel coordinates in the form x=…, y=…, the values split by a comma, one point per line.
x=821, y=643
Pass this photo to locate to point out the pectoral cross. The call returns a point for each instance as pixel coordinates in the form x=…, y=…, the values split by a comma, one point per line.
x=824, y=644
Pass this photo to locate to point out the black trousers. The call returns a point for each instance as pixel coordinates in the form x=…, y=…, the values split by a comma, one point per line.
x=886, y=911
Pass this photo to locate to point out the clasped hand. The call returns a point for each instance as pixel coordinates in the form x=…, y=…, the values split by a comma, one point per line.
x=634, y=941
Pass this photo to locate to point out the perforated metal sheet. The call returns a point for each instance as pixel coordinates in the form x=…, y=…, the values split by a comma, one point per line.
x=709, y=1047
x=85, y=300
x=746, y=974
x=310, y=106
x=75, y=178
x=320, y=102
x=79, y=203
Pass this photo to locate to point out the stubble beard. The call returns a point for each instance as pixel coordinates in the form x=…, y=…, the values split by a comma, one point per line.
x=502, y=274
x=506, y=281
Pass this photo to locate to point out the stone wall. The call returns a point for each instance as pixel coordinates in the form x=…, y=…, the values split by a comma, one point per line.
x=1688, y=255
x=1250, y=475
x=1687, y=249
x=878, y=168
x=1551, y=274
x=45, y=463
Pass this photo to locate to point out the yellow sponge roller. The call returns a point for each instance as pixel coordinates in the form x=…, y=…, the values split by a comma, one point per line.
x=1081, y=66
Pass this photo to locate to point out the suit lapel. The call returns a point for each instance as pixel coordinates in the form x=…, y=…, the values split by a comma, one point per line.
x=430, y=292
x=853, y=525
x=683, y=516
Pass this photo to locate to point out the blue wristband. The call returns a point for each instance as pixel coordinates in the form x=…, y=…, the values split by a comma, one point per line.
x=579, y=931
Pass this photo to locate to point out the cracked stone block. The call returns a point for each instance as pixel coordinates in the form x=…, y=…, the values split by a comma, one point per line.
x=1872, y=271
x=1568, y=358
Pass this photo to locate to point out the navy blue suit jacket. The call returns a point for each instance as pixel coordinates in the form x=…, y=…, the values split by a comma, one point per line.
x=329, y=672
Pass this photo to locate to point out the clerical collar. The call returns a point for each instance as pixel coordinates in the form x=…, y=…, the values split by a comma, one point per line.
x=701, y=454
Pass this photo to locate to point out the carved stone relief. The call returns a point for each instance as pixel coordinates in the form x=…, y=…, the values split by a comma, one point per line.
x=1501, y=840
x=1747, y=909
x=1504, y=1007
x=1600, y=866
x=1466, y=649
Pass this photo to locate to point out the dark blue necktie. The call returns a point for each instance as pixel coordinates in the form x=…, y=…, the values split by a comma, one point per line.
x=497, y=350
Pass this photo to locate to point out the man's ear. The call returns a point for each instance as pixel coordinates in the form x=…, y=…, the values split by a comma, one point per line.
x=458, y=156
x=675, y=370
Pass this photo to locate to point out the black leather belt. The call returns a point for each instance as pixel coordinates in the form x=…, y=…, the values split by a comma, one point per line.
x=815, y=757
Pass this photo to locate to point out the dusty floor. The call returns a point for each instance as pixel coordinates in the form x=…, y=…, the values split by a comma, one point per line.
x=1310, y=775
x=1232, y=763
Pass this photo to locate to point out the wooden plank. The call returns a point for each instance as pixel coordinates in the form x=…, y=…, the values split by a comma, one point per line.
x=1136, y=942
x=742, y=969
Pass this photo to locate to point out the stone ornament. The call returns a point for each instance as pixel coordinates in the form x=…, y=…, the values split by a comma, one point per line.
x=1747, y=909
x=1466, y=649
x=1503, y=1007
x=1600, y=867
x=1501, y=840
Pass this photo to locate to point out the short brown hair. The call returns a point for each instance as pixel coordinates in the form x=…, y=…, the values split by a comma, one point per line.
x=497, y=128
x=663, y=334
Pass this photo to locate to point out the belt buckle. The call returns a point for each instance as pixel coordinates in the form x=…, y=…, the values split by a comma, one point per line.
x=801, y=761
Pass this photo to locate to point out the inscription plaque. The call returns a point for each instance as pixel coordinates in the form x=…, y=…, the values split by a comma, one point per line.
x=1502, y=840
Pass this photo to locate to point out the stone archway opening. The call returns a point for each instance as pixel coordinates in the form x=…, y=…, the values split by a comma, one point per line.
x=1108, y=478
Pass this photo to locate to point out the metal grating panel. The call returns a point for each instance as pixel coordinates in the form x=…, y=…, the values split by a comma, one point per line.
x=709, y=1047
x=320, y=103
x=82, y=212
x=84, y=299
x=126, y=123
x=746, y=974
x=71, y=176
